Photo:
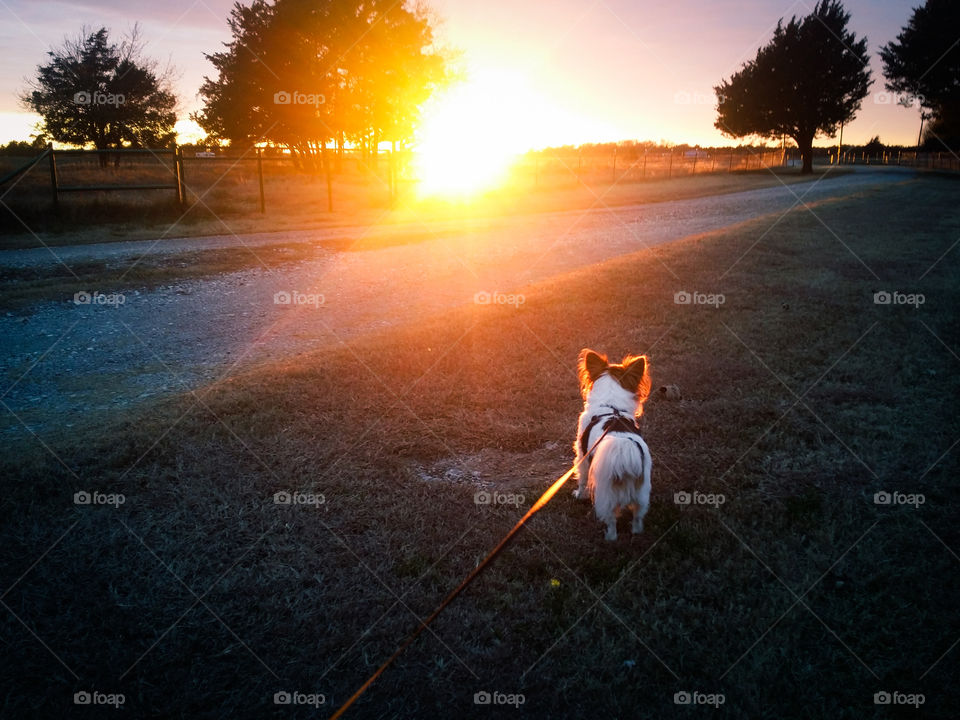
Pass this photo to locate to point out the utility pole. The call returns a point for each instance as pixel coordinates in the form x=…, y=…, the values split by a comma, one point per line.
x=923, y=116
x=840, y=143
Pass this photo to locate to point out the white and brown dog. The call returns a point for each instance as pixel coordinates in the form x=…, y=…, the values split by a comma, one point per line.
x=616, y=472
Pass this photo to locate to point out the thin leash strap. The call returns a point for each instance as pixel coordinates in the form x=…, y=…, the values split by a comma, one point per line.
x=543, y=500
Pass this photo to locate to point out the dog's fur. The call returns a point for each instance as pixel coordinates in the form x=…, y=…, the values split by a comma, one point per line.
x=617, y=472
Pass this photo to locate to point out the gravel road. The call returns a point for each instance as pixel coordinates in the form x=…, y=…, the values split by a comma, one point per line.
x=63, y=363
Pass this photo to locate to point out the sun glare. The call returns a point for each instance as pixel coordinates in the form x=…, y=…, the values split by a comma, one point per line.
x=472, y=133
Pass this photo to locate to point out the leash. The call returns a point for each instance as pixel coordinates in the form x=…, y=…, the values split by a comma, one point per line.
x=543, y=500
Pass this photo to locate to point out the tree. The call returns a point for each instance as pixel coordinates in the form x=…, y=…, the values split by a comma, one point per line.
x=18, y=147
x=923, y=64
x=96, y=92
x=303, y=74
x=809, y=79
x=874, y=146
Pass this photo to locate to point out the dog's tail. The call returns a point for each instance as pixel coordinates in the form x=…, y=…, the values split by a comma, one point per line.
x=618, y=462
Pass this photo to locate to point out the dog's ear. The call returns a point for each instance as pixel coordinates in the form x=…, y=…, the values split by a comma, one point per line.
x=636, y=376
x=591, y=364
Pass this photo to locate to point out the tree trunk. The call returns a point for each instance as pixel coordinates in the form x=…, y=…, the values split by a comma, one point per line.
x=102, y=159
x=805, y=144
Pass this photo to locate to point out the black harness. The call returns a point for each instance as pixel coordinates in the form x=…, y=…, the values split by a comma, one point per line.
x=612, y=422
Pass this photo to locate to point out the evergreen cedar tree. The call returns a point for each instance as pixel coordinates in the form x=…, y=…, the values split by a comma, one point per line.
x=810, y=78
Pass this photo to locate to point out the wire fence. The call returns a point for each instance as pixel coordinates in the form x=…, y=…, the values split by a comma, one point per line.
x=618, y=166
x=903, y=158
x=123, y=184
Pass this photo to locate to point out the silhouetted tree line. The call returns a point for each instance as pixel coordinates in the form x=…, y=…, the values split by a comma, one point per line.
x=315, y=74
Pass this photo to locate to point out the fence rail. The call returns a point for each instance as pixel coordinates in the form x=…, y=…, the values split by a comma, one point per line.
x=928, y=160
x=241, y=177
x=176, y=154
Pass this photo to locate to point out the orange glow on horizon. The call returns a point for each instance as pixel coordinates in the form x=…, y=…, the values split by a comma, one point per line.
x=473, y=132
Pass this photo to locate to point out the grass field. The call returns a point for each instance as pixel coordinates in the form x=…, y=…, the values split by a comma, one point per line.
x=797, y=597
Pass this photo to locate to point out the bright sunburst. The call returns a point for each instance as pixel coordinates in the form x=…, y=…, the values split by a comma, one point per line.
x=472, y=133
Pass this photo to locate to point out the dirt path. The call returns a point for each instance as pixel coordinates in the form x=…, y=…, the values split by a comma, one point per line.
x=64, y=363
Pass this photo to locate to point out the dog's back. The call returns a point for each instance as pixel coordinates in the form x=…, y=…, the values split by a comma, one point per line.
x=619, y=477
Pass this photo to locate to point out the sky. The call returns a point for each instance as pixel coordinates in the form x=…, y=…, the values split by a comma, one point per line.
x=576, y=70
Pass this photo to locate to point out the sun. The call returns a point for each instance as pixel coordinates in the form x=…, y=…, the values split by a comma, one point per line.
x=472, y=134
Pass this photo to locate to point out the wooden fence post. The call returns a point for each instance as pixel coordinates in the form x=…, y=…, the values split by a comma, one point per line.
x=392, y=170
x=177, y=179
x=670, y=166
x=53, y=178
x=263, y=203
x=614, y=176
x=181, y=176
x=326, y=166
